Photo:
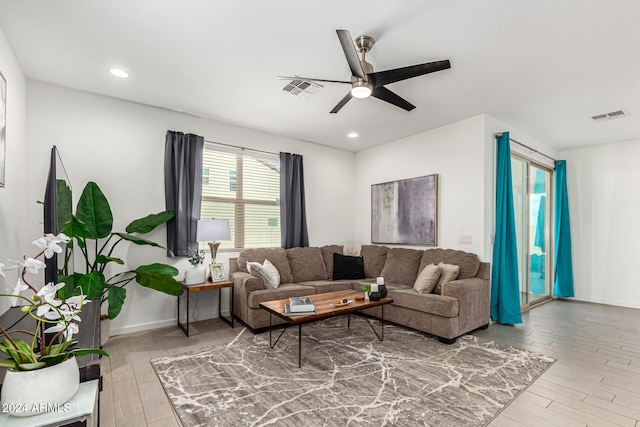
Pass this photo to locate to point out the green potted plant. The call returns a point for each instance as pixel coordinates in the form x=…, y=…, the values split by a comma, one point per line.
x=198, y=274
x=33, y=367
x=94, y=238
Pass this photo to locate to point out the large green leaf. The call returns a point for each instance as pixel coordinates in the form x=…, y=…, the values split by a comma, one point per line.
x=79, y=230
x=92, y=284
x=165, y=269
x=69, y=287
x=137, y=240
x=64, y=202
x=149, y=222
x=115, y=297
x=159, y=282
x=94, y=210
x=31, y=366
x=103, y=259
x=83, y=351
x=8, y=364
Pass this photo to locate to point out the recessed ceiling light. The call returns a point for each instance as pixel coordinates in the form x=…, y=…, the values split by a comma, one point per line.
x=352, y=135
x=119, y=73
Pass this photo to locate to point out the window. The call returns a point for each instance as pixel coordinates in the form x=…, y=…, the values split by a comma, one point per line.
x=243, y=187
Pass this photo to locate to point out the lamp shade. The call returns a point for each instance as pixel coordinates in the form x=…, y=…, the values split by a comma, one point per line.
x=211, y=230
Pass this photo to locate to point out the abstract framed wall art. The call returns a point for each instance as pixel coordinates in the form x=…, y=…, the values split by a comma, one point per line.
x=3, y=126
x=405, y=212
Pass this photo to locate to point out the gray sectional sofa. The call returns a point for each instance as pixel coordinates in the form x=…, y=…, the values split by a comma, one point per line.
x=462, y=306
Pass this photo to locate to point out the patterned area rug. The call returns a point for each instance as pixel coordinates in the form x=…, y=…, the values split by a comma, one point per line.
x=348, y=378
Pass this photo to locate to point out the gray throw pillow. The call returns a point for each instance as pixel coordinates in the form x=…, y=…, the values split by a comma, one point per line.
x=448, y=272
x=427, y=279
x=267, y=272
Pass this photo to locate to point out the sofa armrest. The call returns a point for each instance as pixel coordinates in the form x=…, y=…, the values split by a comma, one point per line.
x=245, y=283
x=474, y=301
x=484, y=272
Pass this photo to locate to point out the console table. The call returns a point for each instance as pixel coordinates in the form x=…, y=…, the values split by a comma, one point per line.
x=207, y=286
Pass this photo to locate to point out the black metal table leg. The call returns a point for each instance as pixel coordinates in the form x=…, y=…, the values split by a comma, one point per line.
x=228, y=321
x=184, y=327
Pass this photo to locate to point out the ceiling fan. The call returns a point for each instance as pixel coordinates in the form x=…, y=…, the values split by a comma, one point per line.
x=364, y=82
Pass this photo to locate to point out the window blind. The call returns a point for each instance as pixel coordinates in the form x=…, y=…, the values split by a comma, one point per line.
x=243, y=187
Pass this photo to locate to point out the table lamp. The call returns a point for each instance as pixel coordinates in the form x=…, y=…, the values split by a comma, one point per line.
x=210, y=230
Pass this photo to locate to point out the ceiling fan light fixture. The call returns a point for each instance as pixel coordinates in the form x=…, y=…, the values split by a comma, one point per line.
x=360, y=89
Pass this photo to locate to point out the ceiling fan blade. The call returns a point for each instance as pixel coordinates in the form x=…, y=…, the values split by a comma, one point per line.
x=311, y=79
x=382, y=78
x=350, y=53
x=386, y=95
x=341, y=104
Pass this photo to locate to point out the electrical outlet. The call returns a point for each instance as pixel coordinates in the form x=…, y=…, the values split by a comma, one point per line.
x=465, y=239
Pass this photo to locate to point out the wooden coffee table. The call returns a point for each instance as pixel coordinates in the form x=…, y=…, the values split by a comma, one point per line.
x=325, y=308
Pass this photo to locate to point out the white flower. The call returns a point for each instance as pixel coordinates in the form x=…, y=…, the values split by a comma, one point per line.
x=48, y=295
x=69, y=330
x=20, y=286
x=2, y=268
x=33, y=265
x=49, y=244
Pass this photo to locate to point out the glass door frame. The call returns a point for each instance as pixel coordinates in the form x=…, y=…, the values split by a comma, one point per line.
x=527, y=244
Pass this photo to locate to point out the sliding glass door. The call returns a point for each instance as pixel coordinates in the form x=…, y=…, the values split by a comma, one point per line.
x=532, y=196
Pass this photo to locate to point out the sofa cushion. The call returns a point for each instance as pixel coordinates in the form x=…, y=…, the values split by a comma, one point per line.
x=327, y=256
x=324, y=286
x=277, y=256
x=347, y=267
x=469, y=263
x=448, y=272
x=306, y=264
x=374, y=258
x=428, y=303
x=285, y=291
x=266, y=271
x=427, y=279
x=401, y=266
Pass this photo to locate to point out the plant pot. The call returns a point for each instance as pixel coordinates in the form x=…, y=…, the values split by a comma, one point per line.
x=195, y=275
x=26, y=393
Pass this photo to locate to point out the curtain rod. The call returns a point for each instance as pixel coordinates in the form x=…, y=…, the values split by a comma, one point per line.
x=499, y=134
x=241, y=148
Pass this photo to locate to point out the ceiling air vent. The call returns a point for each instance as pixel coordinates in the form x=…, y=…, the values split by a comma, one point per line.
x=610, y=116
x=301, y=88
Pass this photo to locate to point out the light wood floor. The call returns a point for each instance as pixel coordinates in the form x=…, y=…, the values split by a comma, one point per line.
x=595, y=381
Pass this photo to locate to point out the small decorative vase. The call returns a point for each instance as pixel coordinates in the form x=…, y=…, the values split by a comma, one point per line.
x=374, y=296
x=195, y=275
x=26, y=393
x=383, y=291
x=366, y=296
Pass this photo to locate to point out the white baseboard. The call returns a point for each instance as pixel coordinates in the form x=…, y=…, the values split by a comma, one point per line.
x=165, y=323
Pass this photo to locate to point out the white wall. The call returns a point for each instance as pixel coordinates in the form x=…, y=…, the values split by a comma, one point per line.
x=463, y=155
x=603, y=185
x=14, y=240
x=456, y=153
x=120, y=145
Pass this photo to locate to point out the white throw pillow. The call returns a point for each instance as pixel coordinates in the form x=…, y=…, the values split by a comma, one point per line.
x=448, y=272
x=427, y=279
x=267, y=272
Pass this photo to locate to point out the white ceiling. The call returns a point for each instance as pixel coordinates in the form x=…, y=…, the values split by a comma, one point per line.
x=543, y=66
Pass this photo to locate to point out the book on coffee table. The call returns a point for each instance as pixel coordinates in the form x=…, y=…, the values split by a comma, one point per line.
x=288, y=312
x=301, y=305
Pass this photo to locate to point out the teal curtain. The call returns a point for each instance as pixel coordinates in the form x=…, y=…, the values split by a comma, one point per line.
x=505, y=286
x=563, y=273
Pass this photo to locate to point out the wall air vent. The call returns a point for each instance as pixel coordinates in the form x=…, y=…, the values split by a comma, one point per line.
x=301, y=88
x=610, y=116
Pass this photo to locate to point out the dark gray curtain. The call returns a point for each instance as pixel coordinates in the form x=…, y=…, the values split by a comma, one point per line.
x=293, y=218
x=182, y=188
